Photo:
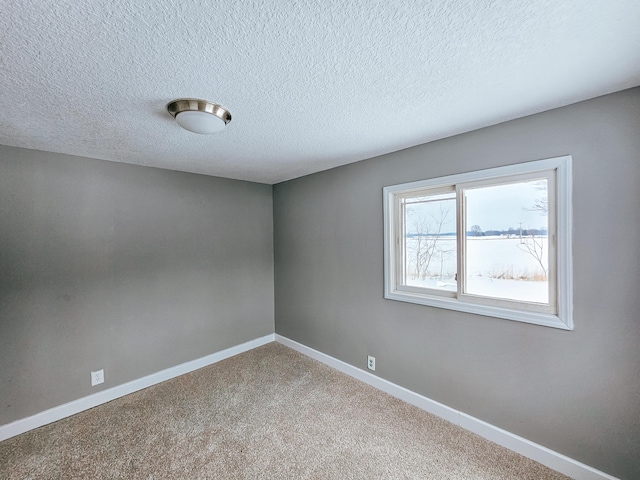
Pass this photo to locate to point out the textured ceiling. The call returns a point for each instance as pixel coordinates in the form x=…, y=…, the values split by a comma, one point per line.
x=310, y=85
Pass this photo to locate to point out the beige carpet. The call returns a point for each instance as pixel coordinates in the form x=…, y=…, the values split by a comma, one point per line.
x=269, y=413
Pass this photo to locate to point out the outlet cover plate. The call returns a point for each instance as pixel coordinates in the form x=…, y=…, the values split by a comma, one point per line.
x=371, y=363
x=97, y=377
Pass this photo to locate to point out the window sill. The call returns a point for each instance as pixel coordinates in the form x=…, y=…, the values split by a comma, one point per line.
x=544, y=319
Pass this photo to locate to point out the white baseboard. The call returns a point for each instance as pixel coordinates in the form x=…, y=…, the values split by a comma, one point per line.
x=540, y=454
x=543, y=455
x=62, y=411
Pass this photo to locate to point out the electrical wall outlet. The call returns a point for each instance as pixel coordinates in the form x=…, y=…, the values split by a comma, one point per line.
x=97, y=377
x=371, y=363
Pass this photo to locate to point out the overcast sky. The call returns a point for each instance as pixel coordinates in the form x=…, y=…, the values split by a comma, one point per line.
x=493, y=208
x=504, y=206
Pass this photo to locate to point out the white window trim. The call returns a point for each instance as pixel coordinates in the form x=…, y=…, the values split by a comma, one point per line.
x=564, y=317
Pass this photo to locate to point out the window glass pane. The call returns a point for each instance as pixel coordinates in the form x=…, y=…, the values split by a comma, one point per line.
x=430, y=241
x=507, y=245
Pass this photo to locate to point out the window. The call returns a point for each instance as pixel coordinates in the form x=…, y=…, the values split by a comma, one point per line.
x=493, y=242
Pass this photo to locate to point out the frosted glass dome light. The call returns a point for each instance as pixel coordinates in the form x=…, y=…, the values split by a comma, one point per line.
x=199, y=116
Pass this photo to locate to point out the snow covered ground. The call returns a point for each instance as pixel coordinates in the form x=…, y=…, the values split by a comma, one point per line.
x=496, y=267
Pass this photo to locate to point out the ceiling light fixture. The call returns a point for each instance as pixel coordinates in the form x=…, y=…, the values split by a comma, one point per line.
x=199, y=116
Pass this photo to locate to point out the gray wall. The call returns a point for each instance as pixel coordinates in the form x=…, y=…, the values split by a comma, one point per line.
x=126, y=268
x=575, y=392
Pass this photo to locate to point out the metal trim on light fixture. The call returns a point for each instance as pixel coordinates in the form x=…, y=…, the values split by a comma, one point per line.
x=176, y=107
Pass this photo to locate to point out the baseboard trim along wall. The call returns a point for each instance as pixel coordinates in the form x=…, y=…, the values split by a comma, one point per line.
x=76, y=406
x=543, y=455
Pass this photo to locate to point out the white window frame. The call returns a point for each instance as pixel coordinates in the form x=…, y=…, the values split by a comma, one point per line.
x=561, y=317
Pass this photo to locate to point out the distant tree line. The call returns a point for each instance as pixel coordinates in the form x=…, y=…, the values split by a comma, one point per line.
x=478, y=232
